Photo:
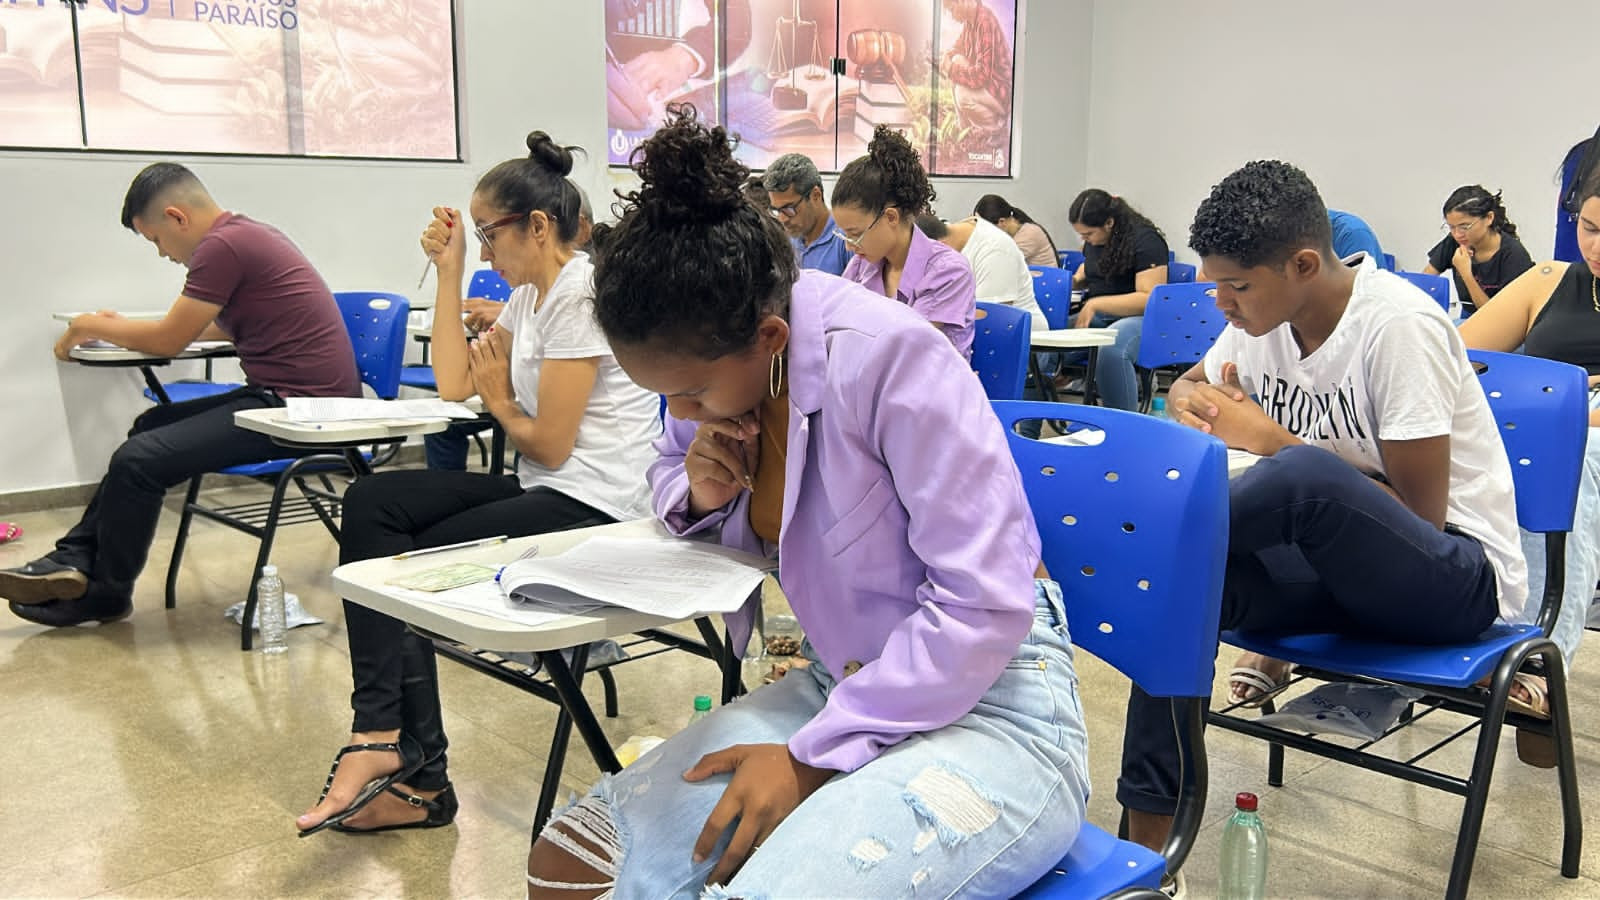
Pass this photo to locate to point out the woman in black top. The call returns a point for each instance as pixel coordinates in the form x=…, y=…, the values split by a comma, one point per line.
x=1124, y=259
x=1553, y=311
x=1480, y=247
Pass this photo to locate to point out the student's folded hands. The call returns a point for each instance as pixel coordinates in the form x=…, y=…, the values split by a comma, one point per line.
x=1226, y=411
x=721, y=462
x=489, y=367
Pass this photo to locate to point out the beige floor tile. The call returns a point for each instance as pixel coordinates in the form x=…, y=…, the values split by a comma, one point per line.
x=150, y=758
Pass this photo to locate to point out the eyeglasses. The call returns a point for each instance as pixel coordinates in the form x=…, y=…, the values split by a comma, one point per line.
x=1463, y=228
x=854, y=243
x=787, y=211
x=482, y=231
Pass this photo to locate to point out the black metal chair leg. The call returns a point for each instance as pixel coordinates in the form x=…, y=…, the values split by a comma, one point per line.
x=181, y=539
x=550, y=785
x=609, y=683
x=263, y=554
x=1566, y=762
x=1274, y=751
x=565, y=679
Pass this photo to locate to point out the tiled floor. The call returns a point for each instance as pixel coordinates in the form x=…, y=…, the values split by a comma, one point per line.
x=151, y=758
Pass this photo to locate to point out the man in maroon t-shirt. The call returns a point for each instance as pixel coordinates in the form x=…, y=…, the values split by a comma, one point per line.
x=247, y=283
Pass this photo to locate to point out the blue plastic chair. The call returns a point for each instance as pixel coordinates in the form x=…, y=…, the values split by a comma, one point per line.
x=376, y=323
x=1180, y=273
x=485, y=283
x=1135, y=530
x=1542, y=411
x=1070, y=259
x=1052, y=290
x=1181, y=323
x=1435, y=286
x=1387, y=262
x=1000, y=349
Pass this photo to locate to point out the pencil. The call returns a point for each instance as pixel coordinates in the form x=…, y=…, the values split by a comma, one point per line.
x=481, y=542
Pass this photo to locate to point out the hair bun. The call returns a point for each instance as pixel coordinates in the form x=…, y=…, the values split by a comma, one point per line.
x=543, y=150
x=687, y=172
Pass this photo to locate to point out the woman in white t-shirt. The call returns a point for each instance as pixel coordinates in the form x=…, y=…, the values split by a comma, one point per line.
x=997, y=265
x=583, y=432
x=1383, y=504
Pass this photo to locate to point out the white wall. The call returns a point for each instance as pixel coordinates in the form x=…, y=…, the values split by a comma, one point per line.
x=1389, y=106
x=525, y=64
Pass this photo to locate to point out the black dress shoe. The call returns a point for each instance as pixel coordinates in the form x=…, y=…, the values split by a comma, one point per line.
x=91, y=607
x=42, y=581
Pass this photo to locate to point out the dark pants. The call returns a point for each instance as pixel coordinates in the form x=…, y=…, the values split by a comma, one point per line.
x=447, y=450
x=168, y=445
x=1315, y=546
x=393, y=670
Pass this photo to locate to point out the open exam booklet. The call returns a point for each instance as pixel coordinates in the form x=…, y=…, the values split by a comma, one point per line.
x=669, y=577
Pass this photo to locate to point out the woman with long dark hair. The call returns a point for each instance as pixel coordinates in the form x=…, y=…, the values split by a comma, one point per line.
x=1124, y=259
x=1480, y=248
x=1037, y=246
x=935, y=743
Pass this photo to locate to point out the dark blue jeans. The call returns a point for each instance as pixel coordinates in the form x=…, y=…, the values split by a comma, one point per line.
x=1315, y=546
x=447, y=450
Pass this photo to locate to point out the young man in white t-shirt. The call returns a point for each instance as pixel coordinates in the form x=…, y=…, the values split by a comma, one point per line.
x=1383, y=504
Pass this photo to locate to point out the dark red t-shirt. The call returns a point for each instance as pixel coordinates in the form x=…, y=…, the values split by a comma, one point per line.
x=278, y=310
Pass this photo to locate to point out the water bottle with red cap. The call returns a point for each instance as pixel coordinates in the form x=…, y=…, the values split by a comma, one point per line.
x=1244, y=853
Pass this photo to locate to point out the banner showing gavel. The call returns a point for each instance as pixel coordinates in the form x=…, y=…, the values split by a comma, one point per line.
x=877, y=53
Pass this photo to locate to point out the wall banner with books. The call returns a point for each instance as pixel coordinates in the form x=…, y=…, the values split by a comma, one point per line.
x=816, y=76
x=344, y=78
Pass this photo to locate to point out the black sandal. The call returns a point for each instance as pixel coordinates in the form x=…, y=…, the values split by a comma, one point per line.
x=441, y=812
x=410, y=762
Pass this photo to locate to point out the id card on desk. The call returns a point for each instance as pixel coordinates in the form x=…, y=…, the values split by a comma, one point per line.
x=443, y=578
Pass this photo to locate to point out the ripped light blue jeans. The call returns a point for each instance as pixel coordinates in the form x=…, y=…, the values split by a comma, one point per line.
x=980, y=808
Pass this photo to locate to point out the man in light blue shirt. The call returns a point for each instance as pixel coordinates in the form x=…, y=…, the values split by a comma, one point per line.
x=1352, y=235
x=795, y=188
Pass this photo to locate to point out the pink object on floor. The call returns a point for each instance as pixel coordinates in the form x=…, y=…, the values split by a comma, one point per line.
x=9, y=531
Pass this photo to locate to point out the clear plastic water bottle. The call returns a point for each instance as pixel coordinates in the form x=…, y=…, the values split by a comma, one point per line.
x=270, y=611
x=702, y=708
x=1244, y=853
x=1158, y=408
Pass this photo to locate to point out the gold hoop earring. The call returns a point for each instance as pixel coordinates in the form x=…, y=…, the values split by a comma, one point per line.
x=775, y=375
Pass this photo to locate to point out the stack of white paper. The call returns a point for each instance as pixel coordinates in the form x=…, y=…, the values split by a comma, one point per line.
x=354, y=409
x=667, y=577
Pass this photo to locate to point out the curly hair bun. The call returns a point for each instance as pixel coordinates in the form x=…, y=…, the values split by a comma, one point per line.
x=687, y=172
x=543, y=150
x=904, y=179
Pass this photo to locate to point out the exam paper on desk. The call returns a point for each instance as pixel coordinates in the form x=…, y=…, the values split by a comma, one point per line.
x=354, y=409
x=669, y=577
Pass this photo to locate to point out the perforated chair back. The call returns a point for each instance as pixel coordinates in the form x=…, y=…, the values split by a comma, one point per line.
x=1135, y=530
x=1434, y=285
x=1181, y=322
x=1542, y=409
x=489, y=285
x=1052, y=290
x=1070, y=259
x=1000, y=349
x=377, y=325
x=1180, y=273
